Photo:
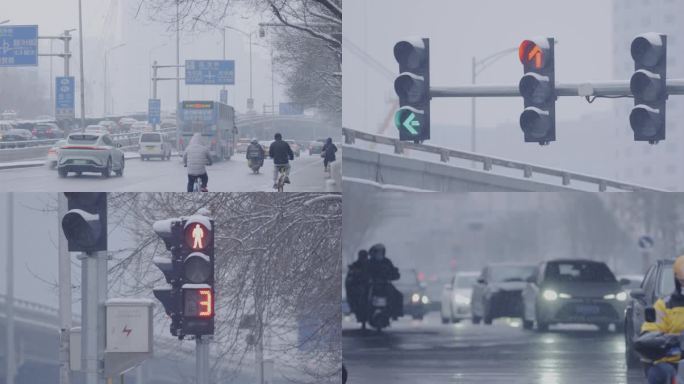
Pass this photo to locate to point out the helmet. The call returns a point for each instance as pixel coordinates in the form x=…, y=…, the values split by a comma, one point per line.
x=255, y=141
x=363, y=254
x=278, y=136
x=377, y=251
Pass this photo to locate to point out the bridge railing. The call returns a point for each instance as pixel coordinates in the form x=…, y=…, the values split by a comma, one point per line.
x=489, y=162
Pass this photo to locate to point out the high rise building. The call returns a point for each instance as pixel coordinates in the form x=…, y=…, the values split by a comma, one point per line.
x=661, y=165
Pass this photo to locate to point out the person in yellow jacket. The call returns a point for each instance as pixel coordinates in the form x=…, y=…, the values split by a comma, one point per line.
x=669, y=320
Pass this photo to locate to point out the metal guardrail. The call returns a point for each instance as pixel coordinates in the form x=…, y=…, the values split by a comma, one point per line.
x=488, y=162
x=121, y=138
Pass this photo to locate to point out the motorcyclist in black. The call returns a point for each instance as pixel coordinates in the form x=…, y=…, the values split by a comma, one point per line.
x=381, y=268
x=356, y=285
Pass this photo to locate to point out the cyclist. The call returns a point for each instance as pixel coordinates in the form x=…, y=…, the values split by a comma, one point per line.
x=196, y=158
x=281, y=153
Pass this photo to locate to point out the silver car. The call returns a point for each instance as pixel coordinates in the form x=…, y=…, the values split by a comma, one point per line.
x=90, y=152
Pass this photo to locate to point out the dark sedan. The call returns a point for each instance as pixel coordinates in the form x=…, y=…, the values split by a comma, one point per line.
x=658, y=282
x=47, y=131
x=15, y=138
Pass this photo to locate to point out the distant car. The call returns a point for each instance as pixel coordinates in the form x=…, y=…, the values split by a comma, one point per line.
x=90, y=152
x=456, y=297
x=125, y=124
x=15, y=138
x=110, y=126
x=573, y=291
x=316, y=147
x=95, y=128
x=242, y=144
x=53, y=153
x=497, y=292
x=167, y=123
x=141, y=126
x=155, y=144
x=5, y=126
x=296, y=149
x=415, y=299
x=657, y=283
x=47, y=131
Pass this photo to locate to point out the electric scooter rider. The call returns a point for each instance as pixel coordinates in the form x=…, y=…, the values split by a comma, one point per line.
x=669, y=320
x=381, y=268
x=255, y=154
x=356, y=285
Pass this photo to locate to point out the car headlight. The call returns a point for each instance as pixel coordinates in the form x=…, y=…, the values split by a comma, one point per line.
x=621, y=296
x=415, y=298
x=550, y=295
x=564, y=296
x=425, y=299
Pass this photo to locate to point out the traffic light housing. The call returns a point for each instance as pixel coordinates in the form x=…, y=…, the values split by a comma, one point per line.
x=189, y=270
x=85, y=223
x=649, y=87
x=538, y=89
x=413, y=88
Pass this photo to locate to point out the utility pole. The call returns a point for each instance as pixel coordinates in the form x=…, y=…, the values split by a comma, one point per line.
x=94, y=295
x=10, y=350
x=178, y=135
x=202, y=359
x=65, y=311
x=80, y=34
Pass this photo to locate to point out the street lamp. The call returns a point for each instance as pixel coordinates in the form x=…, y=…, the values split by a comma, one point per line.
x=149, y=60
x=105, y=73
x=477, y=67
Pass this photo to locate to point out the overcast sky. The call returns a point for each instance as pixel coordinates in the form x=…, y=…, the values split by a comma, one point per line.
x=460, y=30
x=129, y=65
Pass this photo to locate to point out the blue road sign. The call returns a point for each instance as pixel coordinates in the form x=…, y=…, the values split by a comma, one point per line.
x=211, y=72
x=290, y=109
x=224, y=96
x=18, y=45
x=154, y=111
x=64, y=97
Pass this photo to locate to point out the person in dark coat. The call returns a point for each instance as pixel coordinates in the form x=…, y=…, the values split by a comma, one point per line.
x=328, y=153
x=381, y=268
x=356, y=285
x=282, y=154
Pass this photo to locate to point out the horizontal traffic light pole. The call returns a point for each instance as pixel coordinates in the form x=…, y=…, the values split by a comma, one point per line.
x=598, y=89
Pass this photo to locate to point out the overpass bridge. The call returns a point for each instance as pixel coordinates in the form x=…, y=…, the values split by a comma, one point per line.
x=376, y=163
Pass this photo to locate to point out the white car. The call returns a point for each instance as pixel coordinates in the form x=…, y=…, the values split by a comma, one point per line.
x=90, y=152
x=53, y=154
x=154, y=144
x=96, y=128
x=141, y=126
x=456, y=297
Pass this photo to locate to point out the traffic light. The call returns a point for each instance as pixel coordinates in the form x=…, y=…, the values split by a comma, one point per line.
x=85, y=223
x=198, y=276
x=649, y=87
x=538, y=89
x=190, y=272
x=413, y=88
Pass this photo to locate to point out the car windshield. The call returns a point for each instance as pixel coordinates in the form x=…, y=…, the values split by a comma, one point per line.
x=579, y=271
x=83, y=139
x=666, y=284
x=150, y=138
x=465, y=281
x=505, y=273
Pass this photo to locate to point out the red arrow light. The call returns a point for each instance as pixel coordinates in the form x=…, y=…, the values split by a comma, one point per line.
x=531, y=53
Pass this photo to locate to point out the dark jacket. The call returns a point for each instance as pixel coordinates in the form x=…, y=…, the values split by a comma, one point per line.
x=280, y=152
x=329, y=150
x=255, y=151
x=383, y=270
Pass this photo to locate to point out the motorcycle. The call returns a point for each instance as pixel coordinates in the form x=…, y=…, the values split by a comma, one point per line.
x=254, y=164
x=379, y=313
x=653, y=346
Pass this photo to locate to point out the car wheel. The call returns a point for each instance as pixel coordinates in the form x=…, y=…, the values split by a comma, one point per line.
x=487, y=316
x=527, y=324
x=476, y=319
x=108, y=170
x=62, y=172
x=120, y=171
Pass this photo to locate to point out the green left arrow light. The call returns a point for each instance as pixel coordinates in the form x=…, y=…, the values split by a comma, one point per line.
x=408, y=120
